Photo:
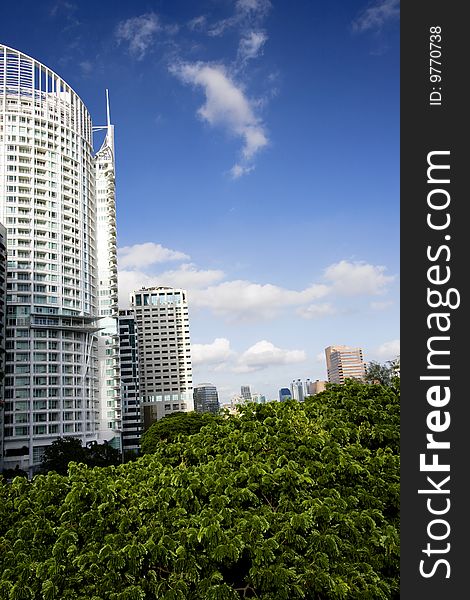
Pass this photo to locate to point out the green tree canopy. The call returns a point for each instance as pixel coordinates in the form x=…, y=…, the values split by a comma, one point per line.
x=172, y=426
x=285, y=501
x=384, y=374
x=62, y=451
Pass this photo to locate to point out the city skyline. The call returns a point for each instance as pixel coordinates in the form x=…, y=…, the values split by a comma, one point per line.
x=260, y=145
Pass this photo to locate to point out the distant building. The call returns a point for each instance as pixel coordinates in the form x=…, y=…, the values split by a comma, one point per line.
x=315, y=387
x=344, y=362
x=285, y=394
x=235, y=402
x=132, y=422
x=229, y=407
x=297, y=390
x=246, y=392
x=165, y=371
x=206, y=399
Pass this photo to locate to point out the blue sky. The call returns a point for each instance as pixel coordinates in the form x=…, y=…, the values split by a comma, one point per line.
x=257, y=148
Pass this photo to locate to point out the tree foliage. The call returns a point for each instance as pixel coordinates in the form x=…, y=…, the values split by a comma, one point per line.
x=172, y=426
x=62, y=451
x=384, y=374
x=285, y=501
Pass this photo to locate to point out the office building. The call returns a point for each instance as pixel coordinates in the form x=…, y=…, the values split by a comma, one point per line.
x=132, y=422
x=258, y=398
x=246, y=392
x=285, y=394
x=344, y=362
x=236, y=402
x=162, y=322
x=48, y=176
x=206, y=398
x=315, y=387
x=297, y=390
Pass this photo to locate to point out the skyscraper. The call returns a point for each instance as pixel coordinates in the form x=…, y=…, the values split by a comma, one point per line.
x=297, y=390
x=162, y=321
x=132, y=421
x=246, y=392
x=315, y=387
x=206, y=398
x=109, y=394
x=285, y=394
x=343, y=362
x=48, y=176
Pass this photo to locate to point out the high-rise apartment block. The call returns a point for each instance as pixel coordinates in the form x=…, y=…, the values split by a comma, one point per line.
x=315, y=387
x=132, y=421
x=344, y=362
x=162, y=321
x=297, y=390
x=206, y=398
x=57, y=246
x=246, y=392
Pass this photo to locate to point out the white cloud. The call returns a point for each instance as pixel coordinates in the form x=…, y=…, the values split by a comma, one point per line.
x=242, y=299
x=198, y=23
x=239, y=170
x=316, y=311
x=375, y=15
x=357, y=278
x=251, y=45
x=86, y=67
x=320, y=357
x=381, y=305
x=254, y=6
x=62, y=6
x=389, y=350
x=216, y=352
x=247, y=13
x=142, y=255
x=129, y=281
x=139, y=33
x=226, y=104
x=264, y=354
x=187, y=276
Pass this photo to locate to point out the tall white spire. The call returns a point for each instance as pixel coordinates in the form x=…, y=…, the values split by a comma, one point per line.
x=109, y=139
x=108, y=120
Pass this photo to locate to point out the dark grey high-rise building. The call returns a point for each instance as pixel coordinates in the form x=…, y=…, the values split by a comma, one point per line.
x=3, y=279
x=206, y=398
x=246, y=392
x=132, y=421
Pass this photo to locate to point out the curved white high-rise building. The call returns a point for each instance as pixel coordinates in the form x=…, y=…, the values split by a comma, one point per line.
x=48, y=180
x=109, y=393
